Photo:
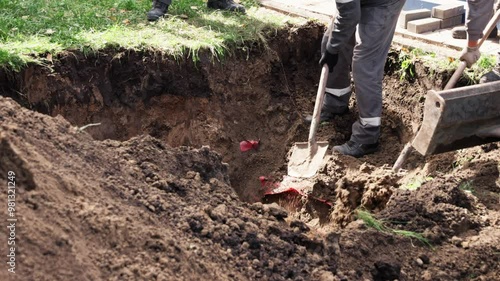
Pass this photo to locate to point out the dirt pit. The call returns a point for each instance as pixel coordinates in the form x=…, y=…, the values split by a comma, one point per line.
x=160, y=190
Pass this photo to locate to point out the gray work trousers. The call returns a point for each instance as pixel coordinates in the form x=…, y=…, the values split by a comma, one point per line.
x=366, y=54
x=479, y=13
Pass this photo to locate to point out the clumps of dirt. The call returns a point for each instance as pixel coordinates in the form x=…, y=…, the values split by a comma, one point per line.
x=349, y=184
x=367, y=254
x=140, y=210
x=438, y=209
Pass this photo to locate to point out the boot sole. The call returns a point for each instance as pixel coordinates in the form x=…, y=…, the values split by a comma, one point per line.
x=154, y=18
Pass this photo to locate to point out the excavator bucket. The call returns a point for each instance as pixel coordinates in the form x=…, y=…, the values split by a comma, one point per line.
x=459, y=118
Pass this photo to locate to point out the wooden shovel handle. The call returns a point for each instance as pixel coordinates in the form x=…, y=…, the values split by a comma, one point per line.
x=320, y=97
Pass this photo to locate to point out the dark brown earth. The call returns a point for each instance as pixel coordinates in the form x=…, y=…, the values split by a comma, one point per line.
x=147, y=195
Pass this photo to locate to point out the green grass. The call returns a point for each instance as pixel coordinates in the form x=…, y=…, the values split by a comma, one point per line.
x=371, y=221
x=379, y=225
x=30, y=29
x=481, y=67
x=436, y=64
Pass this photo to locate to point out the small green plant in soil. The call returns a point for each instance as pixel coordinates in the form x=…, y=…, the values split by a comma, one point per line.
x=481, y=67
x=416, y=182
x=37, y=30
x=467, y=186
x=407, y=63
x=407, y=59
x=379, y=225
x=461, y=162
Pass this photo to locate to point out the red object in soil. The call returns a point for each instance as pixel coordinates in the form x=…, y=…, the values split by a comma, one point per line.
x=262, y=180
x=247, y=145
x=275, y=188
x=268, y=185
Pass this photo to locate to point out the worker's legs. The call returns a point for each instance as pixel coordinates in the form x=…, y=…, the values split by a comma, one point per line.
x=493, y=75
x=481, y=12
x=460, y=32
x=338, y=85
x=374, y=37
x=160, y=7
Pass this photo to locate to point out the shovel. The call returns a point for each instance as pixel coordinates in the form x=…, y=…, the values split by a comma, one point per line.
x=458, y=118
x=307, y=157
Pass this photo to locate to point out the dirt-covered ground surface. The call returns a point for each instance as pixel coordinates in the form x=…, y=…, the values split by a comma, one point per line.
x=161, y=191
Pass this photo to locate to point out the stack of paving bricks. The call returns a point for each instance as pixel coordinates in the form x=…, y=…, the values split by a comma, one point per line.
x=425, y=20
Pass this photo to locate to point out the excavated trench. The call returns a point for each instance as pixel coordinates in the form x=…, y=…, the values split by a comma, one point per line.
x=248, y=96
x=261, y=94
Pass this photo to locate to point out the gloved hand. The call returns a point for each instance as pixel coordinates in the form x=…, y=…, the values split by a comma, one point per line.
x=470, y=55
x=330, y=59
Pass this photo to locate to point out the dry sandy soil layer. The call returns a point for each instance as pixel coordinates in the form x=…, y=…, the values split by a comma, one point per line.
x=160, y=190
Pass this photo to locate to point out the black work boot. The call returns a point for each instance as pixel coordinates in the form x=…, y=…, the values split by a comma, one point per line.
x=356, y=149
x=159, y=10
x=227, y=5
x=326, y=115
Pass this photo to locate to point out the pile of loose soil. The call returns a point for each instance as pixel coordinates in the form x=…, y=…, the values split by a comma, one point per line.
x=140, y=210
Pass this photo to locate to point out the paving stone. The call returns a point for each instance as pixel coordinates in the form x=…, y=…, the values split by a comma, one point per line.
x=453, y=21
x=407, y=16
x=424, y=25
x=448, y=11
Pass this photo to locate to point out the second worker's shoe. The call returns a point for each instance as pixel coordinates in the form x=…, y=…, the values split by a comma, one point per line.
x=159, y=10
x=227, y=5
x=356, y=149
x=460, y=32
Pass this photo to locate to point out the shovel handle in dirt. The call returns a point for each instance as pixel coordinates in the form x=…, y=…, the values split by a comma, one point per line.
x=409, y=147
x=307, y=157
x=320, y=97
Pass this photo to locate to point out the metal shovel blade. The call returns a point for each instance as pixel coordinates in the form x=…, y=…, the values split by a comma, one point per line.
x=304, y=161
x=307, y=157
x=459, y=118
